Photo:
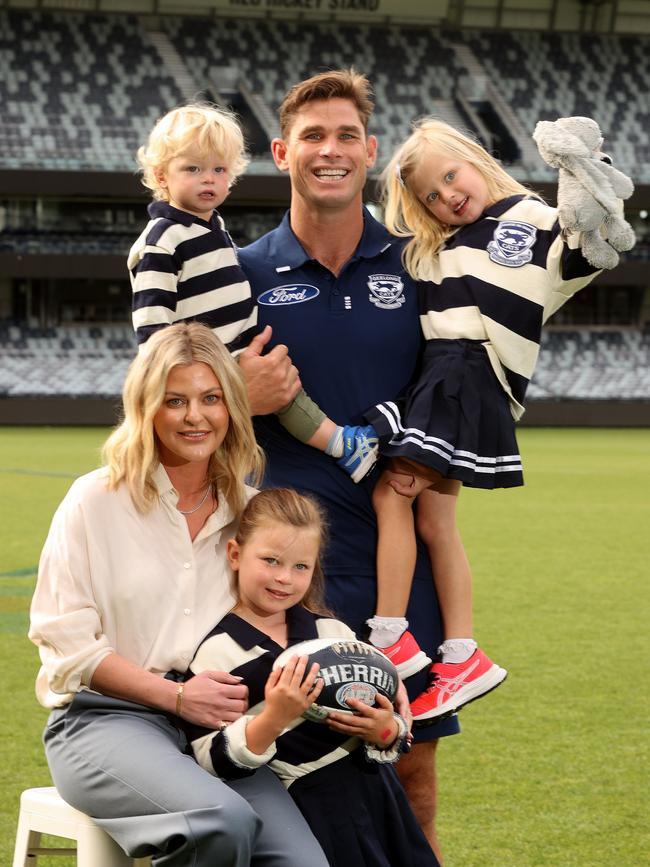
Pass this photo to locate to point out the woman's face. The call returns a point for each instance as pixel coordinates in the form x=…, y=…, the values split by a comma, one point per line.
x=192, y=420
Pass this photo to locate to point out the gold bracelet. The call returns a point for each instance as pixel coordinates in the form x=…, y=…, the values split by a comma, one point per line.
x=179, y=698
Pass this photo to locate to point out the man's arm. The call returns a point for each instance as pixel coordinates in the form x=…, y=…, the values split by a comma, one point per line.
x=272, y=380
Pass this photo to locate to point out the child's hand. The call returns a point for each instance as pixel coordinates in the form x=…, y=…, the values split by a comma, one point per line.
x=374, y=725
x=409, y=486
x=287, y=695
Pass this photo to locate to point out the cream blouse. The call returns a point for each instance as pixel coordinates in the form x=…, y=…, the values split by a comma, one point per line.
x=111, y=579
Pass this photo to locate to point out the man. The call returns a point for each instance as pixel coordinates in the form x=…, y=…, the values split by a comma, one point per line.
x=330, y=282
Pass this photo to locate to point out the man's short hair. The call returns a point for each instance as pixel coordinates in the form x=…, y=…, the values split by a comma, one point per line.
x=334, y=84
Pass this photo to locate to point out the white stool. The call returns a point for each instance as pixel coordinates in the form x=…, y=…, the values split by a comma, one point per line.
x=43, y=811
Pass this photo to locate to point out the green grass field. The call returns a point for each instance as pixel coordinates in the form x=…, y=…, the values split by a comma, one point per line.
x=552, y=768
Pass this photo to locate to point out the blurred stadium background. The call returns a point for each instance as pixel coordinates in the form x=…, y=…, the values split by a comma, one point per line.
x=82, y=82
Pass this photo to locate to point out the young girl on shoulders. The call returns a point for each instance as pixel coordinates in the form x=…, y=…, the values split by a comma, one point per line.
x=494, y=265
x=339, y=774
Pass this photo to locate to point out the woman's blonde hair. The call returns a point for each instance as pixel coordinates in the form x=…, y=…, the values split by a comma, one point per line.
x=131, y=451
x=406, y=216
x=197, y=128
x=286, y=506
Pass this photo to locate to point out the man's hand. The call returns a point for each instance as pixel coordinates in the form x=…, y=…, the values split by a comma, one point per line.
x=272, y=380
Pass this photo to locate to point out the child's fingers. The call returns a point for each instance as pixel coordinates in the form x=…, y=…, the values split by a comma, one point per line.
x=347, y=723
x=288, y=669
x=383, y=702
x=274, y=677
x=316, y=689
x=312, y=680
x=362, y=709
x=299, y=670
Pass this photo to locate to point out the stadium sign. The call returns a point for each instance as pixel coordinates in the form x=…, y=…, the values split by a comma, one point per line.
x=361, y=10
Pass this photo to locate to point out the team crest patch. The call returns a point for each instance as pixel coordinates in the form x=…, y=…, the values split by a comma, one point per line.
x=386, y=291
x=512, y=244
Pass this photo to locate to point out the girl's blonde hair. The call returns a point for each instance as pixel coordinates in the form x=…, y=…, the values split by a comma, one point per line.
x=406, y=216
x=286, y=506
x=131, y=451
x=199, y=128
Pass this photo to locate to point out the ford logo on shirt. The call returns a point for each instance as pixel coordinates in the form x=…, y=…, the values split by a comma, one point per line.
x=292, y=293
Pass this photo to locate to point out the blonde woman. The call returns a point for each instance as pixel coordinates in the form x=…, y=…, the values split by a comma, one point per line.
x=133, y=574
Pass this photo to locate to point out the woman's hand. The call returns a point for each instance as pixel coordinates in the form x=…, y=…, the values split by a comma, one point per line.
x=288, y=693
x=212, y=698
x=374, y=725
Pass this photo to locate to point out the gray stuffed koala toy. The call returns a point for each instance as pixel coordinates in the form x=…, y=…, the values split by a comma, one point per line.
x=589, y=190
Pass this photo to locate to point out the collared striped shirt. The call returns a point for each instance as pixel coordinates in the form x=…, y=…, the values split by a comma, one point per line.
x=236, y=646
x=498, y=280
x=185, y=269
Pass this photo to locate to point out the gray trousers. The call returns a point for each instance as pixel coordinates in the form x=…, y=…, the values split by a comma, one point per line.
x=124, y=765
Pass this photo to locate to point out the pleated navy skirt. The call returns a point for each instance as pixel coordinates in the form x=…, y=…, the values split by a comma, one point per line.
x=359, y=813
x=455, y=419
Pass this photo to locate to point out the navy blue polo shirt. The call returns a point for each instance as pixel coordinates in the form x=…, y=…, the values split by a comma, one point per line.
x=356, y=340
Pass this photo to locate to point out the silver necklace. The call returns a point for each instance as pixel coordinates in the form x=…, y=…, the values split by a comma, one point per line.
x=196, y=508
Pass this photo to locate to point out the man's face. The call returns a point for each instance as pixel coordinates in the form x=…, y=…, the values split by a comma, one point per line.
x=327, y=153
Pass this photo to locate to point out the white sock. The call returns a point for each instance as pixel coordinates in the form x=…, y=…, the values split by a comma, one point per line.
x=335, y=445
x=457, y=649
x=385, y=631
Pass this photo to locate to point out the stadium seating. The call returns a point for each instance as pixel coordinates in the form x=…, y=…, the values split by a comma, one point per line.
x=82, y=91
x=78, y=91
x=76, y=360
x=546, y=75
x=593, y=365
x=92, y=360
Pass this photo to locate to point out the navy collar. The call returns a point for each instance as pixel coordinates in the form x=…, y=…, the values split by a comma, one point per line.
x=164, y=209
x=301, y=623
x=286, y=249
x=503, y=205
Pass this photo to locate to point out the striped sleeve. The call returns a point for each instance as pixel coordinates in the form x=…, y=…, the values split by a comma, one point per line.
x=568, y=270
x=154, y=282
x=226, y=754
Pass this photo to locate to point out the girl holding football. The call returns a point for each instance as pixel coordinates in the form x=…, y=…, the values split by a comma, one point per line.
x=493, y=265
x=339, y=774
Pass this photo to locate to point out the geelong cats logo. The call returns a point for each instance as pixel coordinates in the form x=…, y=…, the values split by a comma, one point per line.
x=386, y=291
x=512, y=244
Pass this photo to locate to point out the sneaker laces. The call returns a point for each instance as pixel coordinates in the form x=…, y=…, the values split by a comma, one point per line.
x=433, y=676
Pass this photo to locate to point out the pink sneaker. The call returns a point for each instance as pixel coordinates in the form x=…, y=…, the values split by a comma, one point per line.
x=406, y=655
x=454, y=684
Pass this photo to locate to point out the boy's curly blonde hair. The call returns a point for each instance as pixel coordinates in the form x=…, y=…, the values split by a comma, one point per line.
x=199, y=128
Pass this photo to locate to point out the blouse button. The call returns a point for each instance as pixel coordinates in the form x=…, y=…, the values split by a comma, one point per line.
x=186, y=611
x=187, y=565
